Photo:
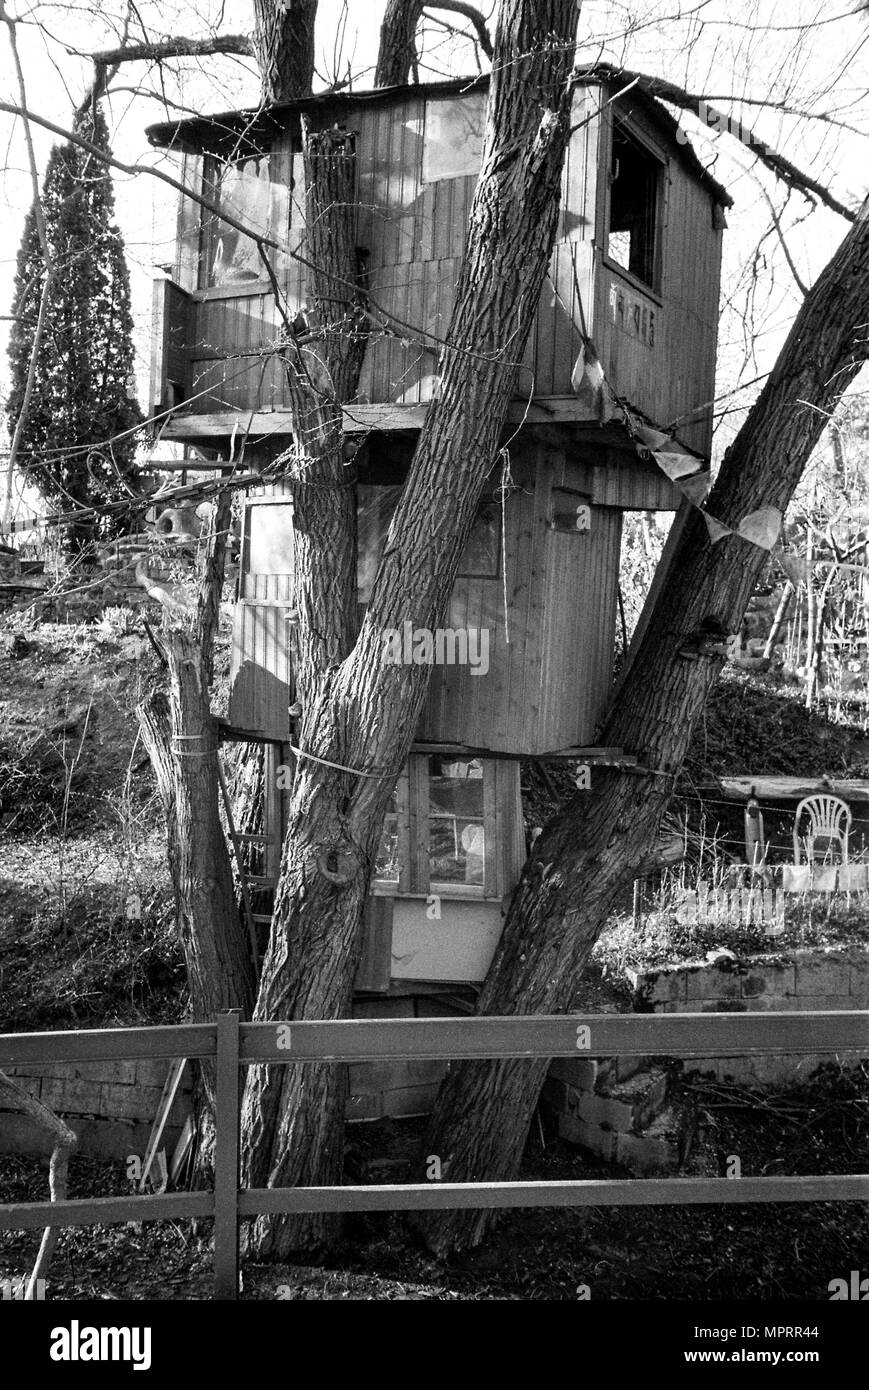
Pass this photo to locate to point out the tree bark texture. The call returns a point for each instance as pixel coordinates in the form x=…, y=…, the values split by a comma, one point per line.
x=283, y=44
x=181, y=738
x=590, y=851
x=397, y=52
x=362, y=712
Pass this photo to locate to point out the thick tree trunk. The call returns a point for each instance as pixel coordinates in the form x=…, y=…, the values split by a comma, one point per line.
x=592, y=849
x=397, y=52
x=283, y=44
x=362, y=713
x=291, y=1122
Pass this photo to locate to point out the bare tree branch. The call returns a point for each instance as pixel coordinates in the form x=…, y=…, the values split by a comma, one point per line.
x=174, y=48
x=782, y=168
x=473, y=14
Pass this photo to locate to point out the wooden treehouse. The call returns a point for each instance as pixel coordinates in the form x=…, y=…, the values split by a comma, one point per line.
x=636, y=266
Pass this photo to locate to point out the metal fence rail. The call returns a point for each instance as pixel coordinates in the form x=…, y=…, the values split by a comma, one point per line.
x=235, y=1045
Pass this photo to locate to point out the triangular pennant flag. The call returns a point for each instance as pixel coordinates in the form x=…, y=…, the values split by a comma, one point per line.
x=674, y=464
x=588, y=381
x=653, y=439
x=761, y=527
x=717, y=531
x=587, y=372
x=696, y=488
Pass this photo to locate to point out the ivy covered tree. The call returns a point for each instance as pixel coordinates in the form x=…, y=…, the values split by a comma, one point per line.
x=82, y=394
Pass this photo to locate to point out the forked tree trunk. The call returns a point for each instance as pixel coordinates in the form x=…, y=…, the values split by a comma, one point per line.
x=362, y=713
x=591, y=850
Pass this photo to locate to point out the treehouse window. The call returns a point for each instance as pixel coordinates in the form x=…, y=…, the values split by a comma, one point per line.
x=386, y=863
x=268, y=545
x=455, y=822
x=241, y=189
x=634, y=198
x=453, y=142
x=434, y=834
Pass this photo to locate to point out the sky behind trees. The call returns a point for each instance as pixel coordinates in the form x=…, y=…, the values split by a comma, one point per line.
x=811, y=56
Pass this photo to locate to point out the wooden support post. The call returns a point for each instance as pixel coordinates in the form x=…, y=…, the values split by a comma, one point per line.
x=226, y=1158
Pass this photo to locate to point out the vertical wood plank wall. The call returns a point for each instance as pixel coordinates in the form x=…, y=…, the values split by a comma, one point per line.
x=414, y=233
x=670, y=378
x=545, y=688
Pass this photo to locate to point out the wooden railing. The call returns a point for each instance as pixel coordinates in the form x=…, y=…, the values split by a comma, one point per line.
x=233, y=1045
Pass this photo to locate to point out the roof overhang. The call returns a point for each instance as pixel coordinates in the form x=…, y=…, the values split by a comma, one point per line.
x=253, y=131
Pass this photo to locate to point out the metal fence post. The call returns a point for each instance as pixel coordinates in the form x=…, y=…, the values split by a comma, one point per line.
x=226, y=1147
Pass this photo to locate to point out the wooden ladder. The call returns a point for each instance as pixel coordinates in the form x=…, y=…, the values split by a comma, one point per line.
x=252, y=884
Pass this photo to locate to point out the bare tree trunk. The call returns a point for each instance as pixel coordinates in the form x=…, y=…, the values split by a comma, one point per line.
x=283, y=45
x=397, y=52
x=591, y=850
x=780, y=618
x=181, y=738
x=362, y=713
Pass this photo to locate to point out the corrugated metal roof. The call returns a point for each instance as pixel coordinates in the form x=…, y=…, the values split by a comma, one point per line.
x=253, y=130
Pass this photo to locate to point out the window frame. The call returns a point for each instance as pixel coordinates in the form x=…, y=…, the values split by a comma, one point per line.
x=210, y=188
x=656, y=153
x=414, y=863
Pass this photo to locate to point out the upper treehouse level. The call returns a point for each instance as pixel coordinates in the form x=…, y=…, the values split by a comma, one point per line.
x=636, y=263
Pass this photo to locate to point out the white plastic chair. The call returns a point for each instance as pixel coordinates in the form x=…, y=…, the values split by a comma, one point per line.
x=829, y=820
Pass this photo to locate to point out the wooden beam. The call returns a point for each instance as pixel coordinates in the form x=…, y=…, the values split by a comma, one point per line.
x=361, y=419
x=577, y=1192
x=565, y=1035
x=590, y=754
x=789, y=788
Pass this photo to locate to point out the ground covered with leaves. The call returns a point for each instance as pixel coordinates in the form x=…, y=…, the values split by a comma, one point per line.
x=698, y=1254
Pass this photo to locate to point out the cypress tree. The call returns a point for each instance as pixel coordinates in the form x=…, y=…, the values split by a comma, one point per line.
x=83, y=390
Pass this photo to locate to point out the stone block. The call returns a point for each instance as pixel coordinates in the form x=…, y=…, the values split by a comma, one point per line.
x=652, y=1152
x=859, y=979
x=601, y=1142
x=768, y=979
x=68, y=1096
x=131, y=1102
x=824, y=976
x=151, y=1071
x=626, y=1067
x=96, y=1138
x=657, y=986
x=580, y=1072
x=606, y=1112
x=31, y=1085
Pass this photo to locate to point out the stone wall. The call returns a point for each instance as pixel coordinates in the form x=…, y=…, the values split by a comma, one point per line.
x=618, y=1107
x=111, y=1106
x=836, y=978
